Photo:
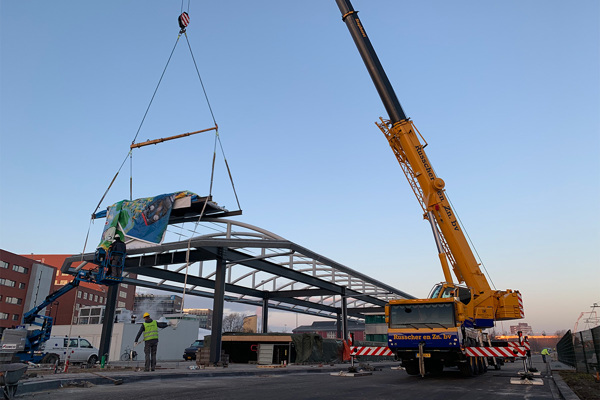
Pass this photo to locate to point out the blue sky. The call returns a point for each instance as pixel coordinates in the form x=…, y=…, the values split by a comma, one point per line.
x=507, y=95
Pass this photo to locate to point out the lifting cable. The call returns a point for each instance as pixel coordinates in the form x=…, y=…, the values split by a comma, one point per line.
x=183, y=21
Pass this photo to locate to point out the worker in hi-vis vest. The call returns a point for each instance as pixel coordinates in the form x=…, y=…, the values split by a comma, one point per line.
x=150, y=330
x=545, y=353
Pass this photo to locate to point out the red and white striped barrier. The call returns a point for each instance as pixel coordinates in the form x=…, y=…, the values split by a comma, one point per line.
x=521, y=309
x=371, y=351
x=511, y=351
x=516, y=344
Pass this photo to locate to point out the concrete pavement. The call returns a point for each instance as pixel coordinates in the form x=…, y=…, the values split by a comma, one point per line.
x=167, y=370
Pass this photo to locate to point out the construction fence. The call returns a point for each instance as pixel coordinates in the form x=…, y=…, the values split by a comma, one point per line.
x=580, y=350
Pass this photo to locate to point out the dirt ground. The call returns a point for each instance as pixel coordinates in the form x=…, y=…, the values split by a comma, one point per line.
x=584, y=385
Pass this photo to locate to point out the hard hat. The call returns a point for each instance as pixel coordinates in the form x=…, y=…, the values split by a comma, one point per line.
x=146, y=315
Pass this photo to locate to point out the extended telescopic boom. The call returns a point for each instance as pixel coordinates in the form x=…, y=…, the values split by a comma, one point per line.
x=380, y=79
x=487, y=305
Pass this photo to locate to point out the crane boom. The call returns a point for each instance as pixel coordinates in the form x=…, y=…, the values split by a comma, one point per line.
x=410, y=151
x=367, y=52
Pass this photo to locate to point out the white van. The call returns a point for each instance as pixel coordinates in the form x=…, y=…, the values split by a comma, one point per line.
x=81, y=350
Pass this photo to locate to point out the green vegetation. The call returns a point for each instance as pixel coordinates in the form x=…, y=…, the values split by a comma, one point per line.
x=584, y=385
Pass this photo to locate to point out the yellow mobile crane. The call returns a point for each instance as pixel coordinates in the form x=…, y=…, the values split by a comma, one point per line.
x=429, y=334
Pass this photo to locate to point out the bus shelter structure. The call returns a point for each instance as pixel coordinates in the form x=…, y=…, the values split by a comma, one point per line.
x=241, y=263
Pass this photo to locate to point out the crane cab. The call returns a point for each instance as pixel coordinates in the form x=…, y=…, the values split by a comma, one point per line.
x=445, y=290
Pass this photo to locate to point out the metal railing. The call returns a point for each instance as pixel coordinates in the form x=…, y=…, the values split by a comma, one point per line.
x=580, y=350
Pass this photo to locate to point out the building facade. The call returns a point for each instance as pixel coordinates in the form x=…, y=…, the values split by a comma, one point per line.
x=65, y=310
x=157, y=305
x=23, y=284
x=328, y=329
x=523, y=327
x=205, y=316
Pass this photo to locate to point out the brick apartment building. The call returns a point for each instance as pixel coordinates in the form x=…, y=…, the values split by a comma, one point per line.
x=205, y=316
x=23, y=284
x=523, y=327
x=86, y=294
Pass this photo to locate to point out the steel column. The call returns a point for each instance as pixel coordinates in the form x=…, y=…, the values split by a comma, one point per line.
x=338, y=324
x=107, y=324
x=218, y=305
x=344, y=314
x=265, y=313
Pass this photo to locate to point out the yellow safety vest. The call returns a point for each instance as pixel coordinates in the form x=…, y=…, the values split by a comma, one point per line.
x=150, y=330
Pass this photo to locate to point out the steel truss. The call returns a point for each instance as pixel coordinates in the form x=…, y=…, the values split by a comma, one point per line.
x=260, y=267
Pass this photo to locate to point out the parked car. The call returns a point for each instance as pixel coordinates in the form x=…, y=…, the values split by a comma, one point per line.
x=190, y=352
x=81, y=350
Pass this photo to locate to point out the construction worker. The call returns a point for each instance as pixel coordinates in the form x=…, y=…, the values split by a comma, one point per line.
x=150, y=330
x=545, y=353
x=114, y=264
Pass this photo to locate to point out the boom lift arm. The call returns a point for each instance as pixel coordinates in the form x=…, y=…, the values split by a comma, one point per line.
x=42, y=324
x=31, y=317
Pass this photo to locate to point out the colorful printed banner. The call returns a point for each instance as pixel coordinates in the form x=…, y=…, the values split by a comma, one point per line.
x=145, y=219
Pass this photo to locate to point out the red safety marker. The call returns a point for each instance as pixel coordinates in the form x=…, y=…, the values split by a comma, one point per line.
x=184, y=20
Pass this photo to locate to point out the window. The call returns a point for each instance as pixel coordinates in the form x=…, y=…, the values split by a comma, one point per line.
x=375, y=319
x=122, y=294
x=0, y=297
x=121, y=304
x=3, y=315
x=77, y=306
x=22, y=285
x=13, y=300
x=7, y=282
x=15, y=317
x=96, y=298
x=3, y=264
x=85, y=344
x=85, y=295
x=420, y=315
x=20, y=269
x=124, y=285
x=101, y=299
x=79, y=294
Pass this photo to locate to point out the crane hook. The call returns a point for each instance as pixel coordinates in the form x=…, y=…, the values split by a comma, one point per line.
x=184, y=20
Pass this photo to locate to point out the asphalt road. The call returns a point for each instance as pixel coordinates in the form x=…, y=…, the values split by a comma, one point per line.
x=385, y=384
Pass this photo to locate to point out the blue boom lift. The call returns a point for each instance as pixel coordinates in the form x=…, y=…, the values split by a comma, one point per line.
x=109, y=272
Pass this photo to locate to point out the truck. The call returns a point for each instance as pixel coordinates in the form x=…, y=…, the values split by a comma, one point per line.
x=446, y=328
x=27, y=341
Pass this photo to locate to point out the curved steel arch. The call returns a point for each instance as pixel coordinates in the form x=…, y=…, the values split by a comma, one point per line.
x=253, y=258
x=235, y=266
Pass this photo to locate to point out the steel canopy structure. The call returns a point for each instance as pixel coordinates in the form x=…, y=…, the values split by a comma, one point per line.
x=242, y=263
